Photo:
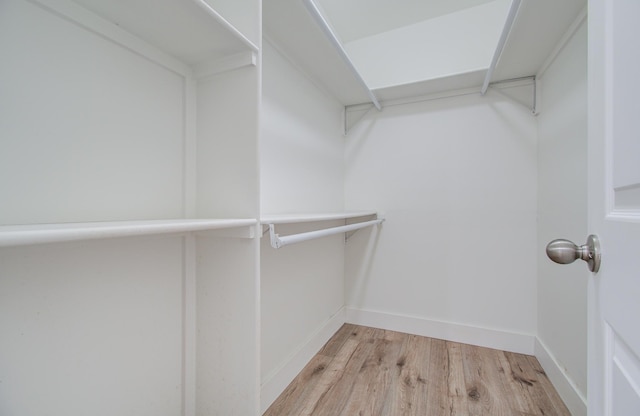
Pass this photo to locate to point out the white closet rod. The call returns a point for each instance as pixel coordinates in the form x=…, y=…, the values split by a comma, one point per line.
x=511, y=17
x=326, y=28
x=277, y=241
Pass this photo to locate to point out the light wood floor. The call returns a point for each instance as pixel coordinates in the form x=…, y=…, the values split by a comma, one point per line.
x=365, y=371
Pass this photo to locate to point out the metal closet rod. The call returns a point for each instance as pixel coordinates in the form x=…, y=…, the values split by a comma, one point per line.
x=326, y=28
x=277, y=241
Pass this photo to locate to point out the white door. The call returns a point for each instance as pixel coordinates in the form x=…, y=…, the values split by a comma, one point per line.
x=614, y=206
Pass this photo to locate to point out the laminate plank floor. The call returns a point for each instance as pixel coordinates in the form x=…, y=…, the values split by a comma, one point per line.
x=364, y=371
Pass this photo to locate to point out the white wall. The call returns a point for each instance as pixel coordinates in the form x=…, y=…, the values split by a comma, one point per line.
x=227, y=330
x=455, y=43
x=456, y=178
x=301, y=166
x=562, y=208
x=92, y=328
x=227, y=149
x=88, y=140
x=301, y=145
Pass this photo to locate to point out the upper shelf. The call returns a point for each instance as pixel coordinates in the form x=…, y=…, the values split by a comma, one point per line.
x=298, y=218
x=288, y=25
x=20, y=235
x=191, y=31
x=538, y=28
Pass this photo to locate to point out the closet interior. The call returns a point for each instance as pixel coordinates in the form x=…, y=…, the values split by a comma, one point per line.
x=197, y=194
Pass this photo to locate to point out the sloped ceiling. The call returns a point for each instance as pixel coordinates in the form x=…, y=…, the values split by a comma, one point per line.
x=357, y=19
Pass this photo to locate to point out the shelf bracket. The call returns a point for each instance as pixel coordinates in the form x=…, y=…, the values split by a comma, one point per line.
x=509, y=88
x=353, y=114
x=214, y=67
x=348, y=235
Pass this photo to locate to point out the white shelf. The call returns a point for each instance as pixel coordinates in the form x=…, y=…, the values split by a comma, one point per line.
x=20, y=235
x=189, y=30
x=298, y=218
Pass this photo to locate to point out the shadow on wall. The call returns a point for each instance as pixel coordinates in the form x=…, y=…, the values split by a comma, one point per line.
x=360, y=255
x=362, y=120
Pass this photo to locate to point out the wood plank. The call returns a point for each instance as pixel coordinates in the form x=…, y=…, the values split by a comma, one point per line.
x=409, y=390
x=329, y=378
x=376, y=377
x=334, y=344
x=525, y=378
x=514, y=391
x=558, y=405
x=535, y=386
x=437, y=401
x=482, y=377
x=478, y=394
x=300, y=388
x=332, y=392
x=458, y=399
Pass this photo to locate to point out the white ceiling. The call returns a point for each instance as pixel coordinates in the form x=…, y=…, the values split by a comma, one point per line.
x=538, y=28
x=356, y=19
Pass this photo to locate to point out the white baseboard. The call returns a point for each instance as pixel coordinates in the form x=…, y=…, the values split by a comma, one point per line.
x=575, y=401
x=276, y=383
x=490, y=338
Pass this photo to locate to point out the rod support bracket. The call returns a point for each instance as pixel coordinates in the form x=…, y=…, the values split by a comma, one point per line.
x=275, y=238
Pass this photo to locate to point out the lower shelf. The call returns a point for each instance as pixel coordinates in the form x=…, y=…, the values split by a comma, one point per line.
x=20, y=235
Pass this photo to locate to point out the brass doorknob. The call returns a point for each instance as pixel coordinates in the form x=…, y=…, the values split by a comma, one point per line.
x=565, y=252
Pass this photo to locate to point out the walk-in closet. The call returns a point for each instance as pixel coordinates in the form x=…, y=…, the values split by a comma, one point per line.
x=198, y=194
